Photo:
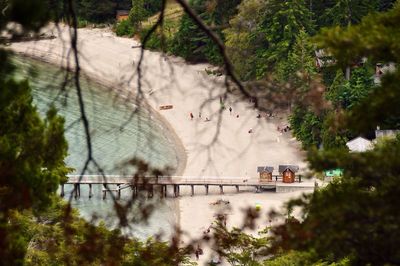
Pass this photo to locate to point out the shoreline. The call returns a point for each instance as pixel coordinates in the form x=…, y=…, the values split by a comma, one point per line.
x=169, y=131
x=219, y=148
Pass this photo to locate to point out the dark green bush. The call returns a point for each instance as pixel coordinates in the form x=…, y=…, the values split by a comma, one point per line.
x=124, y=28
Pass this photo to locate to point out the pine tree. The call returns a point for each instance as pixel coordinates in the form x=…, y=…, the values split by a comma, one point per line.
x=96, y=11
x=347, y=12
x=243, y=37
x=300, y=64
x=356, y=216
x=283, y=21
x=191, y=42
x=137, y=14
x=32, y=153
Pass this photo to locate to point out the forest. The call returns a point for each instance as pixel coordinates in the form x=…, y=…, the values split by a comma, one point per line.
x=276, y=41
x=316, y=60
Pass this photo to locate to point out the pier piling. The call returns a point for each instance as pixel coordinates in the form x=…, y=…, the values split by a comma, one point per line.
x=176, y=191
x=104, y=191
x=118, y=191
x=90, y=191
x=76, y=190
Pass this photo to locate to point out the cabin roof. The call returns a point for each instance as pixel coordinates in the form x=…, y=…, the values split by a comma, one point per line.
x=267, y=169
x=122, y=12
x=293, y=168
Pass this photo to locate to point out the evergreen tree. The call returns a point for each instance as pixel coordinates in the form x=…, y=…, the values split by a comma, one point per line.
x=243, y=37
x=137, y=14
x=263, y=33
x=191, y=42
x=347, y=12
x=356, y=216
x=283, y=21
x=299, y=67
x=96, y=10
x=32, y=155
x=384, y=5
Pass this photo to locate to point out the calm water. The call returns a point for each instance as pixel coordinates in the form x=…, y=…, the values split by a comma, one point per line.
x=118, y=134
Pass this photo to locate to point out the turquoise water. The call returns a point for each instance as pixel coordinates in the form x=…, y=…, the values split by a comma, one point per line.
x=119, y=133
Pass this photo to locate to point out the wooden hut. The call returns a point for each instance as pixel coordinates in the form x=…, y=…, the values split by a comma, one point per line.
x=265, y=173
x=122, y=15
x=288, y=173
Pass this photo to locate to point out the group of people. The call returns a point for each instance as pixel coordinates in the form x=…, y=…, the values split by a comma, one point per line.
x=198, y=251
x=283, y=129
x=192, y=116
x=287, y=128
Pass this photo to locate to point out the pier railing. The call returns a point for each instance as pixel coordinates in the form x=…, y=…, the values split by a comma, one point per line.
x=163, y=182
x=178, y=180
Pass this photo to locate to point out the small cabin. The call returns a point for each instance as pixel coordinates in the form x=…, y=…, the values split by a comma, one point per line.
x=122, y=15
x=359, y=144
x=265, y=173
x=288, y=173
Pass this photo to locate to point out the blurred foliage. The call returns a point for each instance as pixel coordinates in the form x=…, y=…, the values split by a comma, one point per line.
x=36, y=226
x=351, y=221
x=355, y=217
x=52, y=238
x=32, y=154
x=293, y=258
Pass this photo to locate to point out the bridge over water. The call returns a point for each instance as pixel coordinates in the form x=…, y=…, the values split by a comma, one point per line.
x=162, y=183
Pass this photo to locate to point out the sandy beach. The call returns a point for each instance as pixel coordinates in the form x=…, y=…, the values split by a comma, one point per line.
x=221, y=147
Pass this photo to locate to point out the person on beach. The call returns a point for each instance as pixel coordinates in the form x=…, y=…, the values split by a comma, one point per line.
x=259, y=116
x=230, y=110
x=207, y=119
x=191, y=116
x=250, y=130
x=237, y=116
x=199, y=114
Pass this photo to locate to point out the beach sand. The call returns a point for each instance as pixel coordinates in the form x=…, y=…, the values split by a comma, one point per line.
x=221, y=147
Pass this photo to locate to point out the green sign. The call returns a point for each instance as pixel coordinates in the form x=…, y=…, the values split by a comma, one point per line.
x=334, y=172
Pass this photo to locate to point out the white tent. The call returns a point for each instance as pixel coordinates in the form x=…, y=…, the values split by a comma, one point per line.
x=359, y=144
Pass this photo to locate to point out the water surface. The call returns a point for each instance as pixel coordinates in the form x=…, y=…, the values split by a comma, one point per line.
x=119, y=131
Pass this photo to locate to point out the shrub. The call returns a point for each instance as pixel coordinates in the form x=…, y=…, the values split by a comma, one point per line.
x=124, y=28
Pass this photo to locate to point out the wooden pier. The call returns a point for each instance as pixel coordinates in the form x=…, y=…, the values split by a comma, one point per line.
x=162, y=184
